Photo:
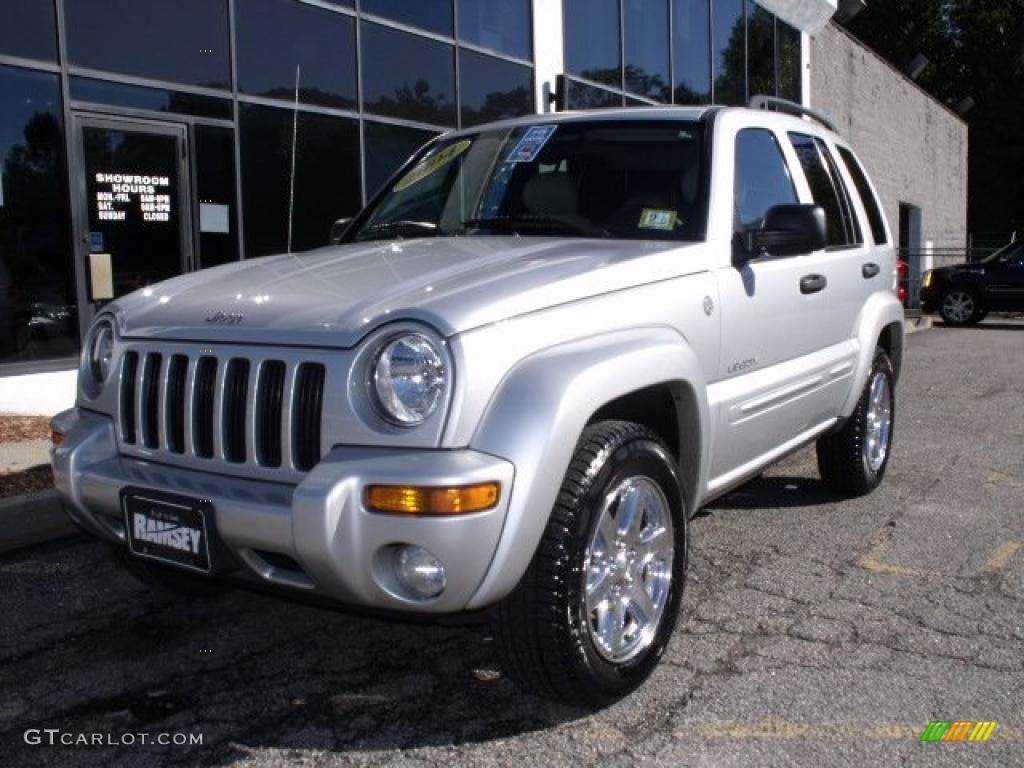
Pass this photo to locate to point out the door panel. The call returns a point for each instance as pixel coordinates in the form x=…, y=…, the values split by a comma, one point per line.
x=133, y=192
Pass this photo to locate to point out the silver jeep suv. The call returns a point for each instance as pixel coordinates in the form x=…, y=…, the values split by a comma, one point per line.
x=524, y=366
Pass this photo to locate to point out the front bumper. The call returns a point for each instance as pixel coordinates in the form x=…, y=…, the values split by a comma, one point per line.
x=929, y=299
x=315, y=536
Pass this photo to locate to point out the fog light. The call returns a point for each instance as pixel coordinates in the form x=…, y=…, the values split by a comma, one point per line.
x=421, y=572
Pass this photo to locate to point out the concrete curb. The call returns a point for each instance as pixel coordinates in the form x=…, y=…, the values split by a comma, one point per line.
x=32, y=519
x=914, y=324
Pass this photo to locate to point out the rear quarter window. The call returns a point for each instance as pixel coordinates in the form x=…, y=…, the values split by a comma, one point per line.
x=867, y=197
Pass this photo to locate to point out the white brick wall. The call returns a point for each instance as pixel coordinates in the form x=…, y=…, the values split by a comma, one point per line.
x=914, y=149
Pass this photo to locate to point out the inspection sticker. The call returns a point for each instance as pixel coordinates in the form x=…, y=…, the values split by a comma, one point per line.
x=432, y=163
x=531, y=144
x=658, y=218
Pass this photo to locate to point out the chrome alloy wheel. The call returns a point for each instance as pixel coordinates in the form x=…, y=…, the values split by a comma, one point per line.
x=627, y=569
x=958, y=306
x=879, y=422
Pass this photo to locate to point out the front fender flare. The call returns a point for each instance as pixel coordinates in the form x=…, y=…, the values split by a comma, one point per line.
x=539, y=411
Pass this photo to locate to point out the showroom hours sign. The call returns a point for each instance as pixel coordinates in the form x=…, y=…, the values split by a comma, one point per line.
x=118, y=193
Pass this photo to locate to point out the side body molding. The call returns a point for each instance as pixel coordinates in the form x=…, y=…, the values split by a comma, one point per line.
x=542, y=406
x=880, y=311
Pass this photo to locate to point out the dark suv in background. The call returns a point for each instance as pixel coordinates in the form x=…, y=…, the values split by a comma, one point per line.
x=963, y=294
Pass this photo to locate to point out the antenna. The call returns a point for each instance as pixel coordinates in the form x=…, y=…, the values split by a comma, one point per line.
x=295, y=137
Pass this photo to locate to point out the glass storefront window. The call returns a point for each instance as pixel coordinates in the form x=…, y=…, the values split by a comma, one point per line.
x=320, y=44
x=29, y=29
x=691, y=27
x=592, y=40
x=326, y=177
x=790, y=85
x=503, y=25
x=38, y=307
x=431, y=15
x=583, y=96
x=185, y=41
x=154, y=99
x=493, y=89
x=729, y=54
x=387, y=147
x=646, y=42
x=215, y=190
x=407, y=76
x=760, y=51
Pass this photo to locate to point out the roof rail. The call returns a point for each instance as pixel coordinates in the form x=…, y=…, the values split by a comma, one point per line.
x=760, y=101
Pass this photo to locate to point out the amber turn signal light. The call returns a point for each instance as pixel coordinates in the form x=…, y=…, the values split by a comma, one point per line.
x=420, y=500
x=56, y=437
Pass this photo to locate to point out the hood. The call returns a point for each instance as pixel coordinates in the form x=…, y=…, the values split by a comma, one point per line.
x=334, y=296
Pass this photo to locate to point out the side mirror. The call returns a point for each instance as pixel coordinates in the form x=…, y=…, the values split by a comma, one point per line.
x=788, y=230
x=338, y=230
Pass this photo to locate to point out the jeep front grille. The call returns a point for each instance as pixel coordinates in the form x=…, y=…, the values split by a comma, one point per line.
x=240, y=410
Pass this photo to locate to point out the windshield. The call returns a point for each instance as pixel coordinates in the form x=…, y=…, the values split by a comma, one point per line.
x=615, y=178
x=1007, y=252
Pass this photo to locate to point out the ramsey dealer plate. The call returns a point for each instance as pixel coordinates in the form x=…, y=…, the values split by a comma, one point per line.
x=171, y=530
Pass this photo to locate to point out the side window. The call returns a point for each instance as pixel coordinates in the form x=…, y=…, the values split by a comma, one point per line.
x=827, y=189
x=762, y=179
x=867, y=197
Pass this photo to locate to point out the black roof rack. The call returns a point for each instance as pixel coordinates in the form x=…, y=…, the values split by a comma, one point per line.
x=760, y=101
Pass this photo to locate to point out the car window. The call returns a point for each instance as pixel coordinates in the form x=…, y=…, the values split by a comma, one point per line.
x=633, y=179
x=860, y=180
x=827, y=189
x=762, y=179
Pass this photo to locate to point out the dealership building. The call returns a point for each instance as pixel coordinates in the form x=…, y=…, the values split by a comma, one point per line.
x=140, y=139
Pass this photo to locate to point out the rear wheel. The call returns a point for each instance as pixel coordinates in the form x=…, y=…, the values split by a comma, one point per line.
x=594, y=612
x=852, y=460
x=961, y=306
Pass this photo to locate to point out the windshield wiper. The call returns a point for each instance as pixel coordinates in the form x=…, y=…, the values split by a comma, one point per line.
x=396, y=229
x=534, y=223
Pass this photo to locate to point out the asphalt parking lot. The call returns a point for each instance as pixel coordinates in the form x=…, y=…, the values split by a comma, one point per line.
x=816, y=631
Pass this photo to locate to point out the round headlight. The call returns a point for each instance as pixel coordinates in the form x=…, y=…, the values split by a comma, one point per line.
x=409, y=379
x=100, y=350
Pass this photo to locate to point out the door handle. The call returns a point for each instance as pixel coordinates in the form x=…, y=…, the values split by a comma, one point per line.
x=812, y=283
x=869, y=270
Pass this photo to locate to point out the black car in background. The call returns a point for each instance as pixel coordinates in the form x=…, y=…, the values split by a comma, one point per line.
x=964, y=293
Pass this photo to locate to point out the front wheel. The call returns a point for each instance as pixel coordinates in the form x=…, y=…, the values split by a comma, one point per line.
x=852, y=460
x=595, y=610
x=961, y=306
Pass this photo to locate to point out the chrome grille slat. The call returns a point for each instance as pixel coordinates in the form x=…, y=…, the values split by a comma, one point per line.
x=287, y=417
x=249, y=410
x=161, y=406
x=190, y=386
x=218, y=410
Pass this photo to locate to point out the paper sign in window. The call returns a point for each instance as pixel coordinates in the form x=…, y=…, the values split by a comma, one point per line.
x=215, y=219
x=101, y=277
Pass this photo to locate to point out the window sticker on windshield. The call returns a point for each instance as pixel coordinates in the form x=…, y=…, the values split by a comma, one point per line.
x=531, y=144
x=429, y=165
x=658, y=218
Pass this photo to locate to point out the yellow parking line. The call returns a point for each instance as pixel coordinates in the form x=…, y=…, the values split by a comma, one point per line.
x=783, y=729
x=1001, y=557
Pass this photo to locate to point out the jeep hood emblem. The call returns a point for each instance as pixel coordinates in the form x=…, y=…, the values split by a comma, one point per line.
x=225, y=318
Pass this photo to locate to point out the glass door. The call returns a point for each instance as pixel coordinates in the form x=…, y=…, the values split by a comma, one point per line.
x=133, y=222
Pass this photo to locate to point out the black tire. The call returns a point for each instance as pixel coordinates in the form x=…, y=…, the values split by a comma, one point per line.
x=957, y=296
x=842, y=460
x=542, y=628
x=169, y=579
